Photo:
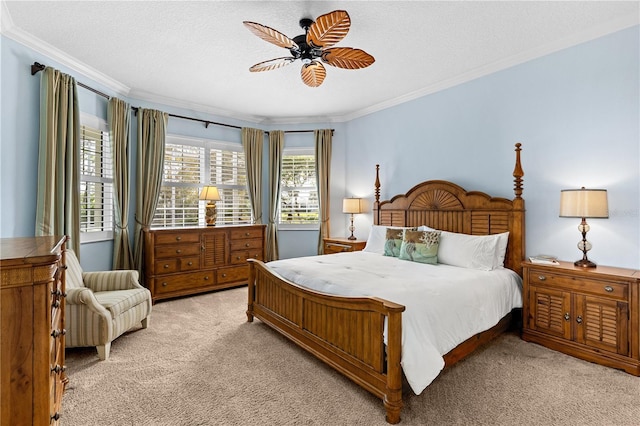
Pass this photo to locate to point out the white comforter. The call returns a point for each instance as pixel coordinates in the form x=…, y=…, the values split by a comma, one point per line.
x=445, y=305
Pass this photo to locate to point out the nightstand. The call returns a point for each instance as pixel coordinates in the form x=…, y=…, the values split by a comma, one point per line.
x=339, y=245
x=589, y=313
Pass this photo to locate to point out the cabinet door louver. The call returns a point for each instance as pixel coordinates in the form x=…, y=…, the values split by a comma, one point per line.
x=605, y=324
x=214, y=253
x=550, y=308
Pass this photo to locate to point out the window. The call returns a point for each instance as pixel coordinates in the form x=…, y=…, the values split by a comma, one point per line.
x=190, y=164
x=96, y=180
x=299, y=194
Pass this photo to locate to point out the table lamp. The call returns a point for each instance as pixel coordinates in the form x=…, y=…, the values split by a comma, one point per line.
x=352, y=206
x=211, y=195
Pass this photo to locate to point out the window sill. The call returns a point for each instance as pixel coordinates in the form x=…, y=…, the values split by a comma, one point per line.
x=291, y=227
x=94, y=237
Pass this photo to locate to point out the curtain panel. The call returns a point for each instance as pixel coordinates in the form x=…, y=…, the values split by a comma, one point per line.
x=276, y=146
x=323, y=174
x=252, y=142
x=152, y=133
x=118, y=117
x=58, y=202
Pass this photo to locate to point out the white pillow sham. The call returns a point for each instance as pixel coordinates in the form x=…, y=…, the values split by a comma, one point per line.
x=468, y=251
x=378, y=237
x=501, y=249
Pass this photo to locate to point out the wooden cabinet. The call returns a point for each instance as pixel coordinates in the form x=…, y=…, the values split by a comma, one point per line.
x=590, y=313
x=339, y=245
x=182, y=261
x=32, y=292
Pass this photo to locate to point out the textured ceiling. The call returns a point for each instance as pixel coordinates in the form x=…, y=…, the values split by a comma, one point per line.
x=196, y=54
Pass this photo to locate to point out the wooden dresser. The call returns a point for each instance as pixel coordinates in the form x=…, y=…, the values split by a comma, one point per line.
x=32, y=291
x=182, y=261
x=589, y=313
x=339, y=245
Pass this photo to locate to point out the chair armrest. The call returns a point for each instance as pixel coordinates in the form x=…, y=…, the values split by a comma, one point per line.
x=84, y=296
x=111, y=280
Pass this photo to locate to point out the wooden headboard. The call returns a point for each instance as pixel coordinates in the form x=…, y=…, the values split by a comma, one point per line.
x=446, y=206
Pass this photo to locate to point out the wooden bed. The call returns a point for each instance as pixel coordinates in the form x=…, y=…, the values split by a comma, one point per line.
x=347, y=332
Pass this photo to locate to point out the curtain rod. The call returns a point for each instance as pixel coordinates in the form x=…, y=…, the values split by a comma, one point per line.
x=37, y=67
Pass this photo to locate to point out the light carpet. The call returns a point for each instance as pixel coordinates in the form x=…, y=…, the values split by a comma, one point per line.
x=201, y=363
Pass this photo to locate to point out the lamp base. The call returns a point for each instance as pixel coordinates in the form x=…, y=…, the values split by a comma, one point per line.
x=352, y=237
x=584, y=263
x=211, y=215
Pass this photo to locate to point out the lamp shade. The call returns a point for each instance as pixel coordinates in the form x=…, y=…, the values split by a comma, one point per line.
x=352, y=205
x=210, y=193
x=584, y=203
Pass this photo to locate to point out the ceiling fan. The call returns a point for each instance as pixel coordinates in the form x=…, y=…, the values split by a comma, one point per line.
x=314, y=44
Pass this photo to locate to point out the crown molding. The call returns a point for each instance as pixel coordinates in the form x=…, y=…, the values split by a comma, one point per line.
x=520, y=58
x=13, y=32
x=8, y=29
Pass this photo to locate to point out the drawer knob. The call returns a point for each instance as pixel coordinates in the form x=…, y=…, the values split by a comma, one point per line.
x=237, y=257
x=247, y=245
x=58, y=368
x=567, y=317
x=224, y=275
x=206, y=278
x=178, y=238
x=164, y=284
x=178, y=251
x=579, y=319
x=166, y=266
x=542, y=277
x=56, y=416
x=246, y=234
x=190, y=263
x=57, y=333
x=608, y=289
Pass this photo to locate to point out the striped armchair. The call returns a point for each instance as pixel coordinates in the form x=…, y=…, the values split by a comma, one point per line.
x=101, y=306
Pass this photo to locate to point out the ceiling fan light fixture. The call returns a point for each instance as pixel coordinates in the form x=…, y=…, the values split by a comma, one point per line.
x=327, y=30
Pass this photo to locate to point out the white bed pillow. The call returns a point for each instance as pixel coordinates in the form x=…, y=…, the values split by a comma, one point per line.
x=377, y=238
x=425, y=228
x=468, y=251
x=501, y=249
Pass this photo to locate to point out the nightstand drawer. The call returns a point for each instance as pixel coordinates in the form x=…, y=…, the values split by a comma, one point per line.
x=341, y=245
x=578, y=284
x=336, y=247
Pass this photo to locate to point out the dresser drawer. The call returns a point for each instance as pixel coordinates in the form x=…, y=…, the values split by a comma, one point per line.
x=246, y=244
x=192, y=280
x=166, y=266
x=615, y=290
x=238, y=234
x=241, y=256
x=176, y=237
x=189, y=263
x=238, y=273
x=330, y=248
x=178, y=250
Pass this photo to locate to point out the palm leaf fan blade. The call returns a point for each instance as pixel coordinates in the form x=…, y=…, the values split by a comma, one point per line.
x=270, y=35
x=347, y=57
x=329, y=29
x=272, y=64
x=313, y=74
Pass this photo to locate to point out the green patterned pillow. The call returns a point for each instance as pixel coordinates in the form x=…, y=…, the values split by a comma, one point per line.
x=393, y=241
x=420, y=246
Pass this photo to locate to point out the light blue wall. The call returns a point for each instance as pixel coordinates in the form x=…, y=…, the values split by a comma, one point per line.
x=576, y=112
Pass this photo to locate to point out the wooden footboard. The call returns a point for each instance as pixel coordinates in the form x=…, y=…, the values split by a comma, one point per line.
x=347, y=333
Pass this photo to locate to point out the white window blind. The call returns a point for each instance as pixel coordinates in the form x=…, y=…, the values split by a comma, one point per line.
x=96, y=181
x=299, y=193
x=190, y=164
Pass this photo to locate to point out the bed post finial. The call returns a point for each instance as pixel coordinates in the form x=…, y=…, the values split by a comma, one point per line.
x=377, y=183
x=518, y=173
x=376, y=204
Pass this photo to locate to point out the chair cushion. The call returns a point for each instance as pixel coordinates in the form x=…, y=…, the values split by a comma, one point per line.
x=119, y=301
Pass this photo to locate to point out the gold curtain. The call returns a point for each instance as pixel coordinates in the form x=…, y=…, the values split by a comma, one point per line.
x=276, y=145
x=58, y=201
x=323, y=173
x=118, y=116
x=152, y=133
x=252, y=142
